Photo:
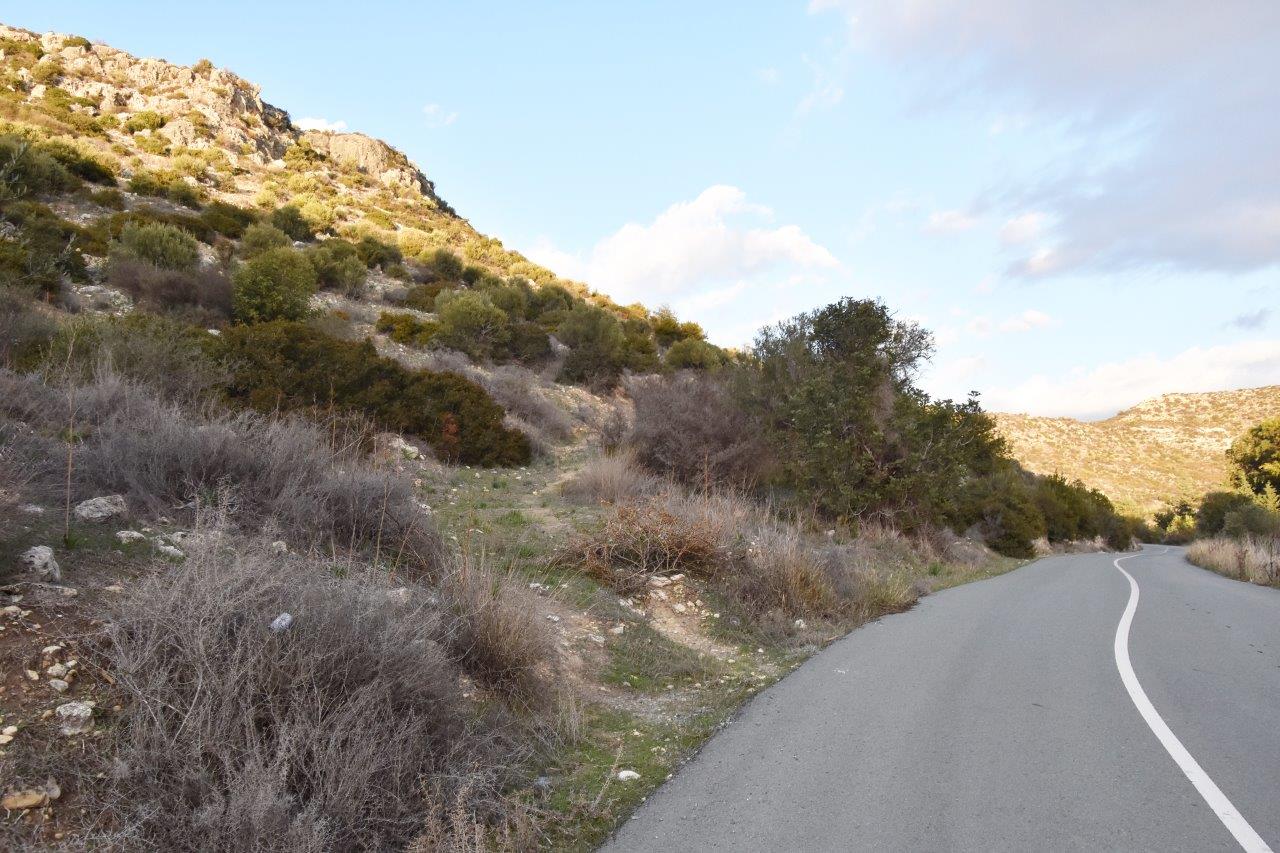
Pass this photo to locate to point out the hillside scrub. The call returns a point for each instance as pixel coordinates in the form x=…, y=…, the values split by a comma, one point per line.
x=266, y=471
x=276, y=284
x=290, y=366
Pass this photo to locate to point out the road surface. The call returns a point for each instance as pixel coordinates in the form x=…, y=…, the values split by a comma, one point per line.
x=997, y=716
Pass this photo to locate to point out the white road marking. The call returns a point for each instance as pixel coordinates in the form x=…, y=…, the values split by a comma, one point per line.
x=1227, y=813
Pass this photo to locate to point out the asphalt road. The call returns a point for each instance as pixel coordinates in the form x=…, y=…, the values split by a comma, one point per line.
x=994, y=716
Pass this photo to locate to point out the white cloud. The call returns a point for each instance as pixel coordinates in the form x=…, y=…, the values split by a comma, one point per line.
x=1026, y=321
x=438, y=116
x=768, y=76
x=703, y=252
x=321, y=124
x=1103, y=390
x=949, y=222
x=1169, y=113
x=1251, y=320
x=1022, y=229
x=827, y=89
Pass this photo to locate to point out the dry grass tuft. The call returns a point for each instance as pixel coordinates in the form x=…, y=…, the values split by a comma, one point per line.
x=610, y=478
x=1253, y=559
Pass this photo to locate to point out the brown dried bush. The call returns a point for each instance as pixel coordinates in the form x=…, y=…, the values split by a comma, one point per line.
x=638, y=541
x=333, y=733
x=689, y=428
x=609, y=478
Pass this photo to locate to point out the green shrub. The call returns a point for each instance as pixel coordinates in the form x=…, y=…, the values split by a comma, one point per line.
x=47, y=72
x=76, y=41
x=423, y=296
x=375, y=253
x=158, y=244
x=43, y=250
x=693, y=354
x=294, y=366
x=262, y=237
x=668, y=330
x=1214, y=508
x=82, y=165
x=511, y=298
x=275, y=285
x=470, y=323
x=529, y=343
x=596, y=339
x=145, y=120
x=108, y=197
x=407, y=329
x=25, y=171
x=227, y=219
x=444, y=264
x=1012, y=523
x=1252, y=520
x=1255, y=460
x=167, y=185
x=338, y=266
x=290, y=220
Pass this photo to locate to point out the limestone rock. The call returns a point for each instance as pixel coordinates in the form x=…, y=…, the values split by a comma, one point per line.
x=100, y=508
x=76, y=717
x=40, y=558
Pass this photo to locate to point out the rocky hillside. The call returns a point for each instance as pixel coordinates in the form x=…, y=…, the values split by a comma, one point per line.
x=209, y=129
x=1158, y=450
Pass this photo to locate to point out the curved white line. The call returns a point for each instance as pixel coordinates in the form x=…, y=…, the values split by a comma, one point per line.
x=1227, y=813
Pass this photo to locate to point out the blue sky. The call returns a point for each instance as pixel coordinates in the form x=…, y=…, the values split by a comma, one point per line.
x=1081, y=199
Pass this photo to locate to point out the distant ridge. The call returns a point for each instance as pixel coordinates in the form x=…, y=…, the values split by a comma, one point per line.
x=1161, y=449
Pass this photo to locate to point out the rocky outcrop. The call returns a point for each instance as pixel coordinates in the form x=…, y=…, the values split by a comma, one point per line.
x=373, y=157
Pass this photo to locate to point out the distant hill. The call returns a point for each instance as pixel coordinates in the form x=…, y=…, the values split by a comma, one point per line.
x=1159, y=450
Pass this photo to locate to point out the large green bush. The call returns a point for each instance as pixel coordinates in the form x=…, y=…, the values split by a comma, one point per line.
x=693, y=354
x=596, y=341
x=262, y=237
x=159, y=244
x=84, y=166
x=26, y=171
x=42, y=250
x=290, y=220
x=275, y=285
x=338, y=266
x=1255, y=460
x=227, y=219
x=406, y=328
x=834, y=395
x=285, y=365
x=470, y=323
x=1211, y=516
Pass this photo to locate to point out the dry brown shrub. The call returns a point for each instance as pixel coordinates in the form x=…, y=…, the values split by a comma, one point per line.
x=609, y=478
x=643, y=540
x=1255, y=559
x=317, y=737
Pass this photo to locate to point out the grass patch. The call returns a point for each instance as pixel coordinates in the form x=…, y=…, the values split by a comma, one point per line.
x=645, y=660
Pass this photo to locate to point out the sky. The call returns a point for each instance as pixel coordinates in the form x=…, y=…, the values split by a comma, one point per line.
x=1080, y=198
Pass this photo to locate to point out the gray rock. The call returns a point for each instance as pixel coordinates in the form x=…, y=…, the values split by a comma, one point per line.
x=127, y=536
x=59, y=685
x=281, y=623
x=76, y=717
x=41, y=559
x=100, y=508
x=170, y=551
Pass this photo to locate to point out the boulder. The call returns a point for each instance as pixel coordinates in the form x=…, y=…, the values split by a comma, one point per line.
x=76, y=717
x=41, y=559
x=100, y=508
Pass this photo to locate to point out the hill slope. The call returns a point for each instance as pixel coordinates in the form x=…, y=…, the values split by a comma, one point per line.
x=209, y=128
x=1158, y=450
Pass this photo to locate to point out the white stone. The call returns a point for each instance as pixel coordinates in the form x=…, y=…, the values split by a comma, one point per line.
x=76, y=717
x=59, y=685
x=100, y=508
x=281, y=623
x=32, y=509
x=618, y=630
x=41, y=559
x=170, y=552
x=279, y=547
x=127, y=536
x=628, y=775
x=56, y=671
